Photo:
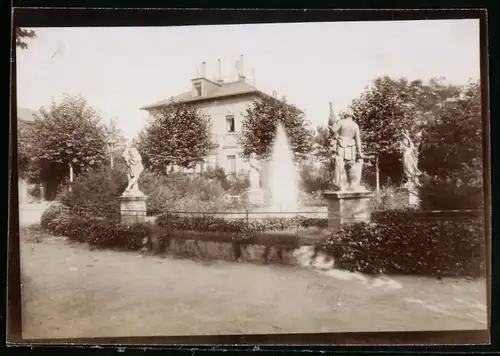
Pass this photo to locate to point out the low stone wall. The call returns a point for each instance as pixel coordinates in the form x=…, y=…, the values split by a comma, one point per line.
x=210, y=250
x=275, y=247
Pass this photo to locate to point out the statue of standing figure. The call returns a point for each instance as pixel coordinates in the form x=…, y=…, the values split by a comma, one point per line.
x=410, y=161
x=347, y=153
x=255, y=169
x=133, y=161
x=255, y=193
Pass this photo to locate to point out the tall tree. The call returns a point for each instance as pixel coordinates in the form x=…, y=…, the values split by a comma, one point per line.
x=67, y=136
x=452, y=154
x=392, y=105
x=22, y=35
x=25, y=139
x=452, y=148
x=178, y=135
x=260, y=122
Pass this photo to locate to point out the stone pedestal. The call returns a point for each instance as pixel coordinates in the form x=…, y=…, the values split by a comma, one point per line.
x=256, y=196
x=346, y=207
x=407, y=197
x=133, y=208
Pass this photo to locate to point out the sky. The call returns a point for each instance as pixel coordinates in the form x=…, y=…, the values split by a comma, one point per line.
x=120, y=69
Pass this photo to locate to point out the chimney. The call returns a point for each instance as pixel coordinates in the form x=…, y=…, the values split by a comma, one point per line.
x=253, y=76
x=203, y=69
x=241, y=71
x=219, y=72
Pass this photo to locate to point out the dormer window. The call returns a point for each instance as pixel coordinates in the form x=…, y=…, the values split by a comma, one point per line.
x=197, y=87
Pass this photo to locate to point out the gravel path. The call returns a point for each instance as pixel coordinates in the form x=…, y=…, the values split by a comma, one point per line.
x=71, y=291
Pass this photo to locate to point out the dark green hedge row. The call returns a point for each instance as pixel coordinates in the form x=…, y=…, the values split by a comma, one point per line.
x=410, y=214
x=101, y=233
x=439, y=247
x=217, y=224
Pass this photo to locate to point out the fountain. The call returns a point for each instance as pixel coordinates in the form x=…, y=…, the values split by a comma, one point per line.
x=283, y=176
x=282, y=183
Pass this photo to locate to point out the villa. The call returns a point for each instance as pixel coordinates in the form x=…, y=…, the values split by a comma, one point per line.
x=225, y=104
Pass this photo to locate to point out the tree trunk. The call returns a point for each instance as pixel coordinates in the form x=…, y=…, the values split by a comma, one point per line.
x=70, y=176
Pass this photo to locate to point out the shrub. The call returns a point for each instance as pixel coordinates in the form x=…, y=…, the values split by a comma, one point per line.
x=105, y=234
x=440, y=194
x=180, y=192
x=313, y=179
x=51, y=213
x=239, y=185
x=387, y=200
x=97, y=232
x=219, y=175
x=96, y=193
x=406, y=242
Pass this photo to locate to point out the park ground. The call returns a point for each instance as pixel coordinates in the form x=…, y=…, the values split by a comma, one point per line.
x=70, y=291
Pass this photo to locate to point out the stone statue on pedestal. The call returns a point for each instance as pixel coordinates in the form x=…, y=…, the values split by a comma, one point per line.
x=410, y=161
x=133, y=161
x=255, y=168
x=347, y=153
x=255, y=193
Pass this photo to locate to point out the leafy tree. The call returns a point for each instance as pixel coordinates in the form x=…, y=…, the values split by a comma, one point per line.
x=452, y=154
x=177, y=135
x=392, y=105
x=24, y=139
x=322, y=144
x=22, y=35
x=323, y=152
x=259, y=127
x=452, y=148
x=382, y=111
x=67, y=134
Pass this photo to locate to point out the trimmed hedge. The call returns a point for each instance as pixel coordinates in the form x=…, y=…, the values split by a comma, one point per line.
x=406, y=242
x=101, y=233
x=49, y=215
x=216, y=224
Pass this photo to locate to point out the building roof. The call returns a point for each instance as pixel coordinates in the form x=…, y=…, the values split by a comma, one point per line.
x=223, y=90
x=26, y=115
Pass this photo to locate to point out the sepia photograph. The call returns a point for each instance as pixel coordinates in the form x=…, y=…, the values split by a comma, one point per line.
x=241, y=179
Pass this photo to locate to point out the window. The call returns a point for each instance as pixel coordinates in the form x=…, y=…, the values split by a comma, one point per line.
x=230, y=123
x=231, y=164
x=197, y=86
